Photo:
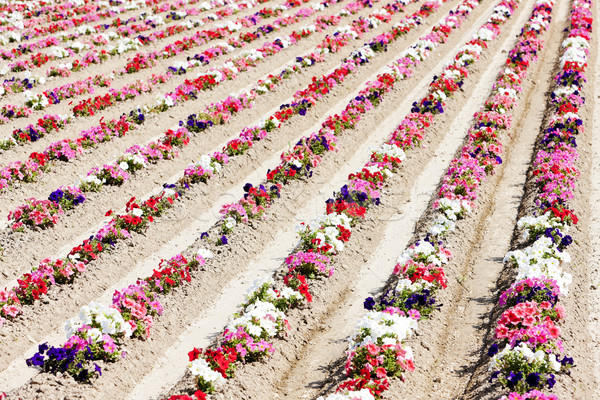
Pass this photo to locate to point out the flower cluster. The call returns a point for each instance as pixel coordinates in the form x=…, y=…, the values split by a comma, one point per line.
x=527, y=322
x=99, y=331
x=121, y=227
x=534, y=370
x=371, y=362
x=529, y=328
x=35, y=213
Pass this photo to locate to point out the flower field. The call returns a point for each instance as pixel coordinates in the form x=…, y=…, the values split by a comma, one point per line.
x=299, y=199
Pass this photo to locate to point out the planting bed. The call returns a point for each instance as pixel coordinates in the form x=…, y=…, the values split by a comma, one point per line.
x=299, y=199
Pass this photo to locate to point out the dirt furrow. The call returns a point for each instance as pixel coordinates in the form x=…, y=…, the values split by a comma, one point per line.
x=592, y=262
x=301, y=195
x=255, y=379
x=319, y=356
x=114, y=197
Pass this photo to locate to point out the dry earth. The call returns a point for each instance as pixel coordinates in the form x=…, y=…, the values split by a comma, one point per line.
x=450, y=349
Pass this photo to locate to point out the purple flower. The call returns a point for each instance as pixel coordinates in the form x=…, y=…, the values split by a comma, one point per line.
x=551, y=381
x=56, y=196
x=533, y=379
x=567, y=361
x=513, y=379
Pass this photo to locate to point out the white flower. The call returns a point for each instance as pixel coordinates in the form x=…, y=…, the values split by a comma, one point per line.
x=199, y=367
x=554, y=364
x=205, y=253
x=377, y=326
x=71, y=326
x=123, y=165
x=259, y=318
x=541, y=259
x=484, y=34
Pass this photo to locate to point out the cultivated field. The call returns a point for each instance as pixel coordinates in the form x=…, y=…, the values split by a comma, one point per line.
x=300, y=199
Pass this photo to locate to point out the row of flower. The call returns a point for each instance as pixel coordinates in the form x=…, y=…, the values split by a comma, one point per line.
x=34, y=284
x=264, y=310
x=527, y=351
x=99, y=56
x=132, y=90
x=45, y=213
x=17, y=85
x=68, y=149
x=420, y=269
x=378, y=336
x=248, y=59
x=169, y=9
x=27, y=32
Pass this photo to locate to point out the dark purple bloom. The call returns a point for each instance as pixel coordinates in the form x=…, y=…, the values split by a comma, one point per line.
x=493, y=350
x=567, y=240
x=513, y=379
x=551, y=381
x=533, y=379
x=567, y=361
x=369, y=303
x=56, y=196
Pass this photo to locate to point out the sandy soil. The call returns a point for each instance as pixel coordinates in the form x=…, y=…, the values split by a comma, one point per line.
x=450, y=349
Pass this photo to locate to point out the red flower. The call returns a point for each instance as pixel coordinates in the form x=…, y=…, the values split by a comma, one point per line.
x=194, y=354
x=200, y=395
